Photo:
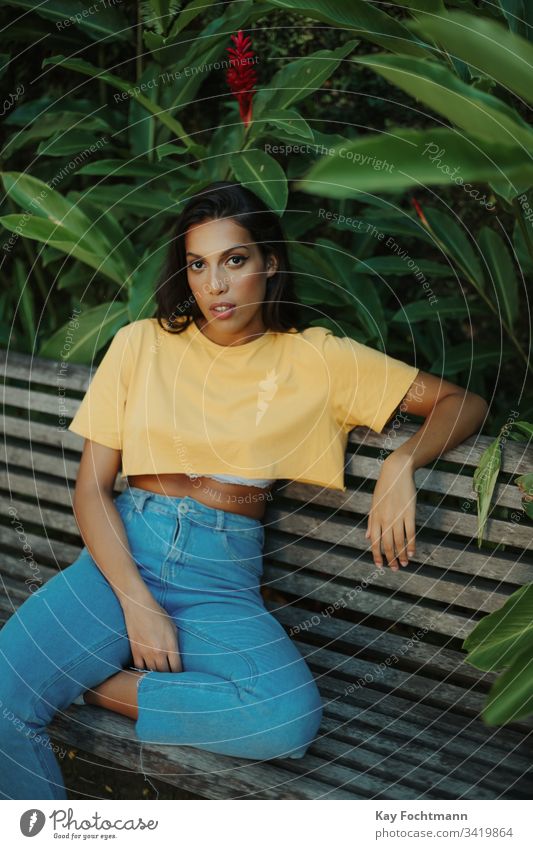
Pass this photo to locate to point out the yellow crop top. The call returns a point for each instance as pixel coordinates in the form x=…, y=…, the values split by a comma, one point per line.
x=280, y=406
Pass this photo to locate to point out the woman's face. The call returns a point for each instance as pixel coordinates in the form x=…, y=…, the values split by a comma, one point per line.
x=225, y=266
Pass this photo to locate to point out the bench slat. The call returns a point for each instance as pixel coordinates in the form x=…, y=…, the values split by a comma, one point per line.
x=343, y=534
x=428, y=516
x=303, y=586
x=358, y=637
x=460, y=485
x=34, y=400
x=471, y=735
x=38, y=433
x=337, y=567
x=516, y=456
x=19, y=366
x=412, y=765
x=111, y=736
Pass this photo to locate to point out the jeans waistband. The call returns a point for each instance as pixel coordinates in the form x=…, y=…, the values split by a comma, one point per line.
x=180, y=506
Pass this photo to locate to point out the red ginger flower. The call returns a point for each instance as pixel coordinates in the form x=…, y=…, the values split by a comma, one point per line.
x=241, y=76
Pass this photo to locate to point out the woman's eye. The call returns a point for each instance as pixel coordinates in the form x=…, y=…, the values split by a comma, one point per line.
x=199, y=262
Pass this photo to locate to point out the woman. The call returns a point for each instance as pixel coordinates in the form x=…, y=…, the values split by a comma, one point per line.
x=160, y=617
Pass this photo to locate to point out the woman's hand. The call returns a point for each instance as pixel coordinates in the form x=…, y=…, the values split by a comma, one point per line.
x=391, y=521
x=153, y=635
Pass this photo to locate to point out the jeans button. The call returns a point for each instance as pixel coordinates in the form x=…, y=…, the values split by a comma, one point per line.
x=183, y=508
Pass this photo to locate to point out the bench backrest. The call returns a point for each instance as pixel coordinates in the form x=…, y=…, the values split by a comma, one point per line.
x=319, y=573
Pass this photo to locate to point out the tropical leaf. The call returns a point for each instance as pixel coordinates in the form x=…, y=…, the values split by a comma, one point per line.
x=502, y=273
x=453, y=307
x=300, y=78
x=390, y=162
x=475, y=111
x=486, y=44
x=96, y=326
x=361, y=17
x=485, y=477
x=263, y=175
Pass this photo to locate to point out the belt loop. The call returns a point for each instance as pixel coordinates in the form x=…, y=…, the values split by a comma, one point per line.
x=140, y=497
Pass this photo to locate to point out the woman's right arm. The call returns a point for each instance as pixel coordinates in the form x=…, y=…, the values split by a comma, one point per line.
x=152, y=633
x=100, y=524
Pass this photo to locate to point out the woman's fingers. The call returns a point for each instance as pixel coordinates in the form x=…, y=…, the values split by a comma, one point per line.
x=396, y=544
x=375, y=540
x=410, y=535
x=387, y=541
x=399, y=542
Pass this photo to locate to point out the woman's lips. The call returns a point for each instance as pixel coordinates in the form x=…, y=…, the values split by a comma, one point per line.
x=227, y=313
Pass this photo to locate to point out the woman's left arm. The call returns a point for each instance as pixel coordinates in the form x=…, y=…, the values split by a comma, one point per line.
x=451, y=415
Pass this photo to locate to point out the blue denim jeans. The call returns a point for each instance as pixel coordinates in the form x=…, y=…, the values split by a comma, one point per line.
x=245, y=689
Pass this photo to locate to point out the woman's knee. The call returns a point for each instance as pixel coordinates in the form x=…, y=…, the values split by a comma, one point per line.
x=286, y=725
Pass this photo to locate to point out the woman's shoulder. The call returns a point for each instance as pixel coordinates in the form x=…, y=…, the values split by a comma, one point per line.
x=143, y=329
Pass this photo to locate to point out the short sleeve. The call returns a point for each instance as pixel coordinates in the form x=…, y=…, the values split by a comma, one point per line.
x=100, y=416
x=367, y=385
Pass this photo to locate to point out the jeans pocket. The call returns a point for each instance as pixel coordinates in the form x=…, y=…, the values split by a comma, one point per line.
x=124, y=506
x=244, y=547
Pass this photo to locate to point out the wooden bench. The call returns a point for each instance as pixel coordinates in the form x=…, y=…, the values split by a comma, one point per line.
x=402, y=707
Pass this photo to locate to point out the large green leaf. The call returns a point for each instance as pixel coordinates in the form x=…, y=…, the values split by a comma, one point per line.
x=38, y=198
x=390, y=224
x=83, y=67
x=511, y=696
x=141, y=303
x=52, y=234
x=485, y=478
x=475, y=111
x=70, y=143
x=523, y=257
x=456, y=244
x=313, y=283
x=360, y=294
x=502, y=272
x=500, y=636
x=126, y=168
x=453, y=307
x=57, y=221
x=486, y=45
x=299, y=79
x=49, y=124
x=25, y=306
x=263, y=175
x=466, y=357
x=96, y=326
x=105, y=220
x=361, y=17
x=392, y=265
x=288, y=120
x=392, y=161
x=127, y=196
x=108, y=23
x=519, y=15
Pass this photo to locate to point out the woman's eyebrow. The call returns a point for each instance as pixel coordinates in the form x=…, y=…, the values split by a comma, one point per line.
x=227, y=251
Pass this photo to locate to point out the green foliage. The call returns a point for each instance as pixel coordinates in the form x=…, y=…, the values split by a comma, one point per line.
x=123, y=123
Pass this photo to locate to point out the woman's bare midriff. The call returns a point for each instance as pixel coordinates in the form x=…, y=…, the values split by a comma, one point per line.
x=237, y=498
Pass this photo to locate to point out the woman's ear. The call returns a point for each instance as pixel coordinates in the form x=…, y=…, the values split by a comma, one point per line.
x=272, y=265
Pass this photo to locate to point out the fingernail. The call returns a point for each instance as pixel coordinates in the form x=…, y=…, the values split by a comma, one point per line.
x=403, y=562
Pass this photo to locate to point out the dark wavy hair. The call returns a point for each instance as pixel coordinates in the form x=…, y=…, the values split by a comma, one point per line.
x=176, y=305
